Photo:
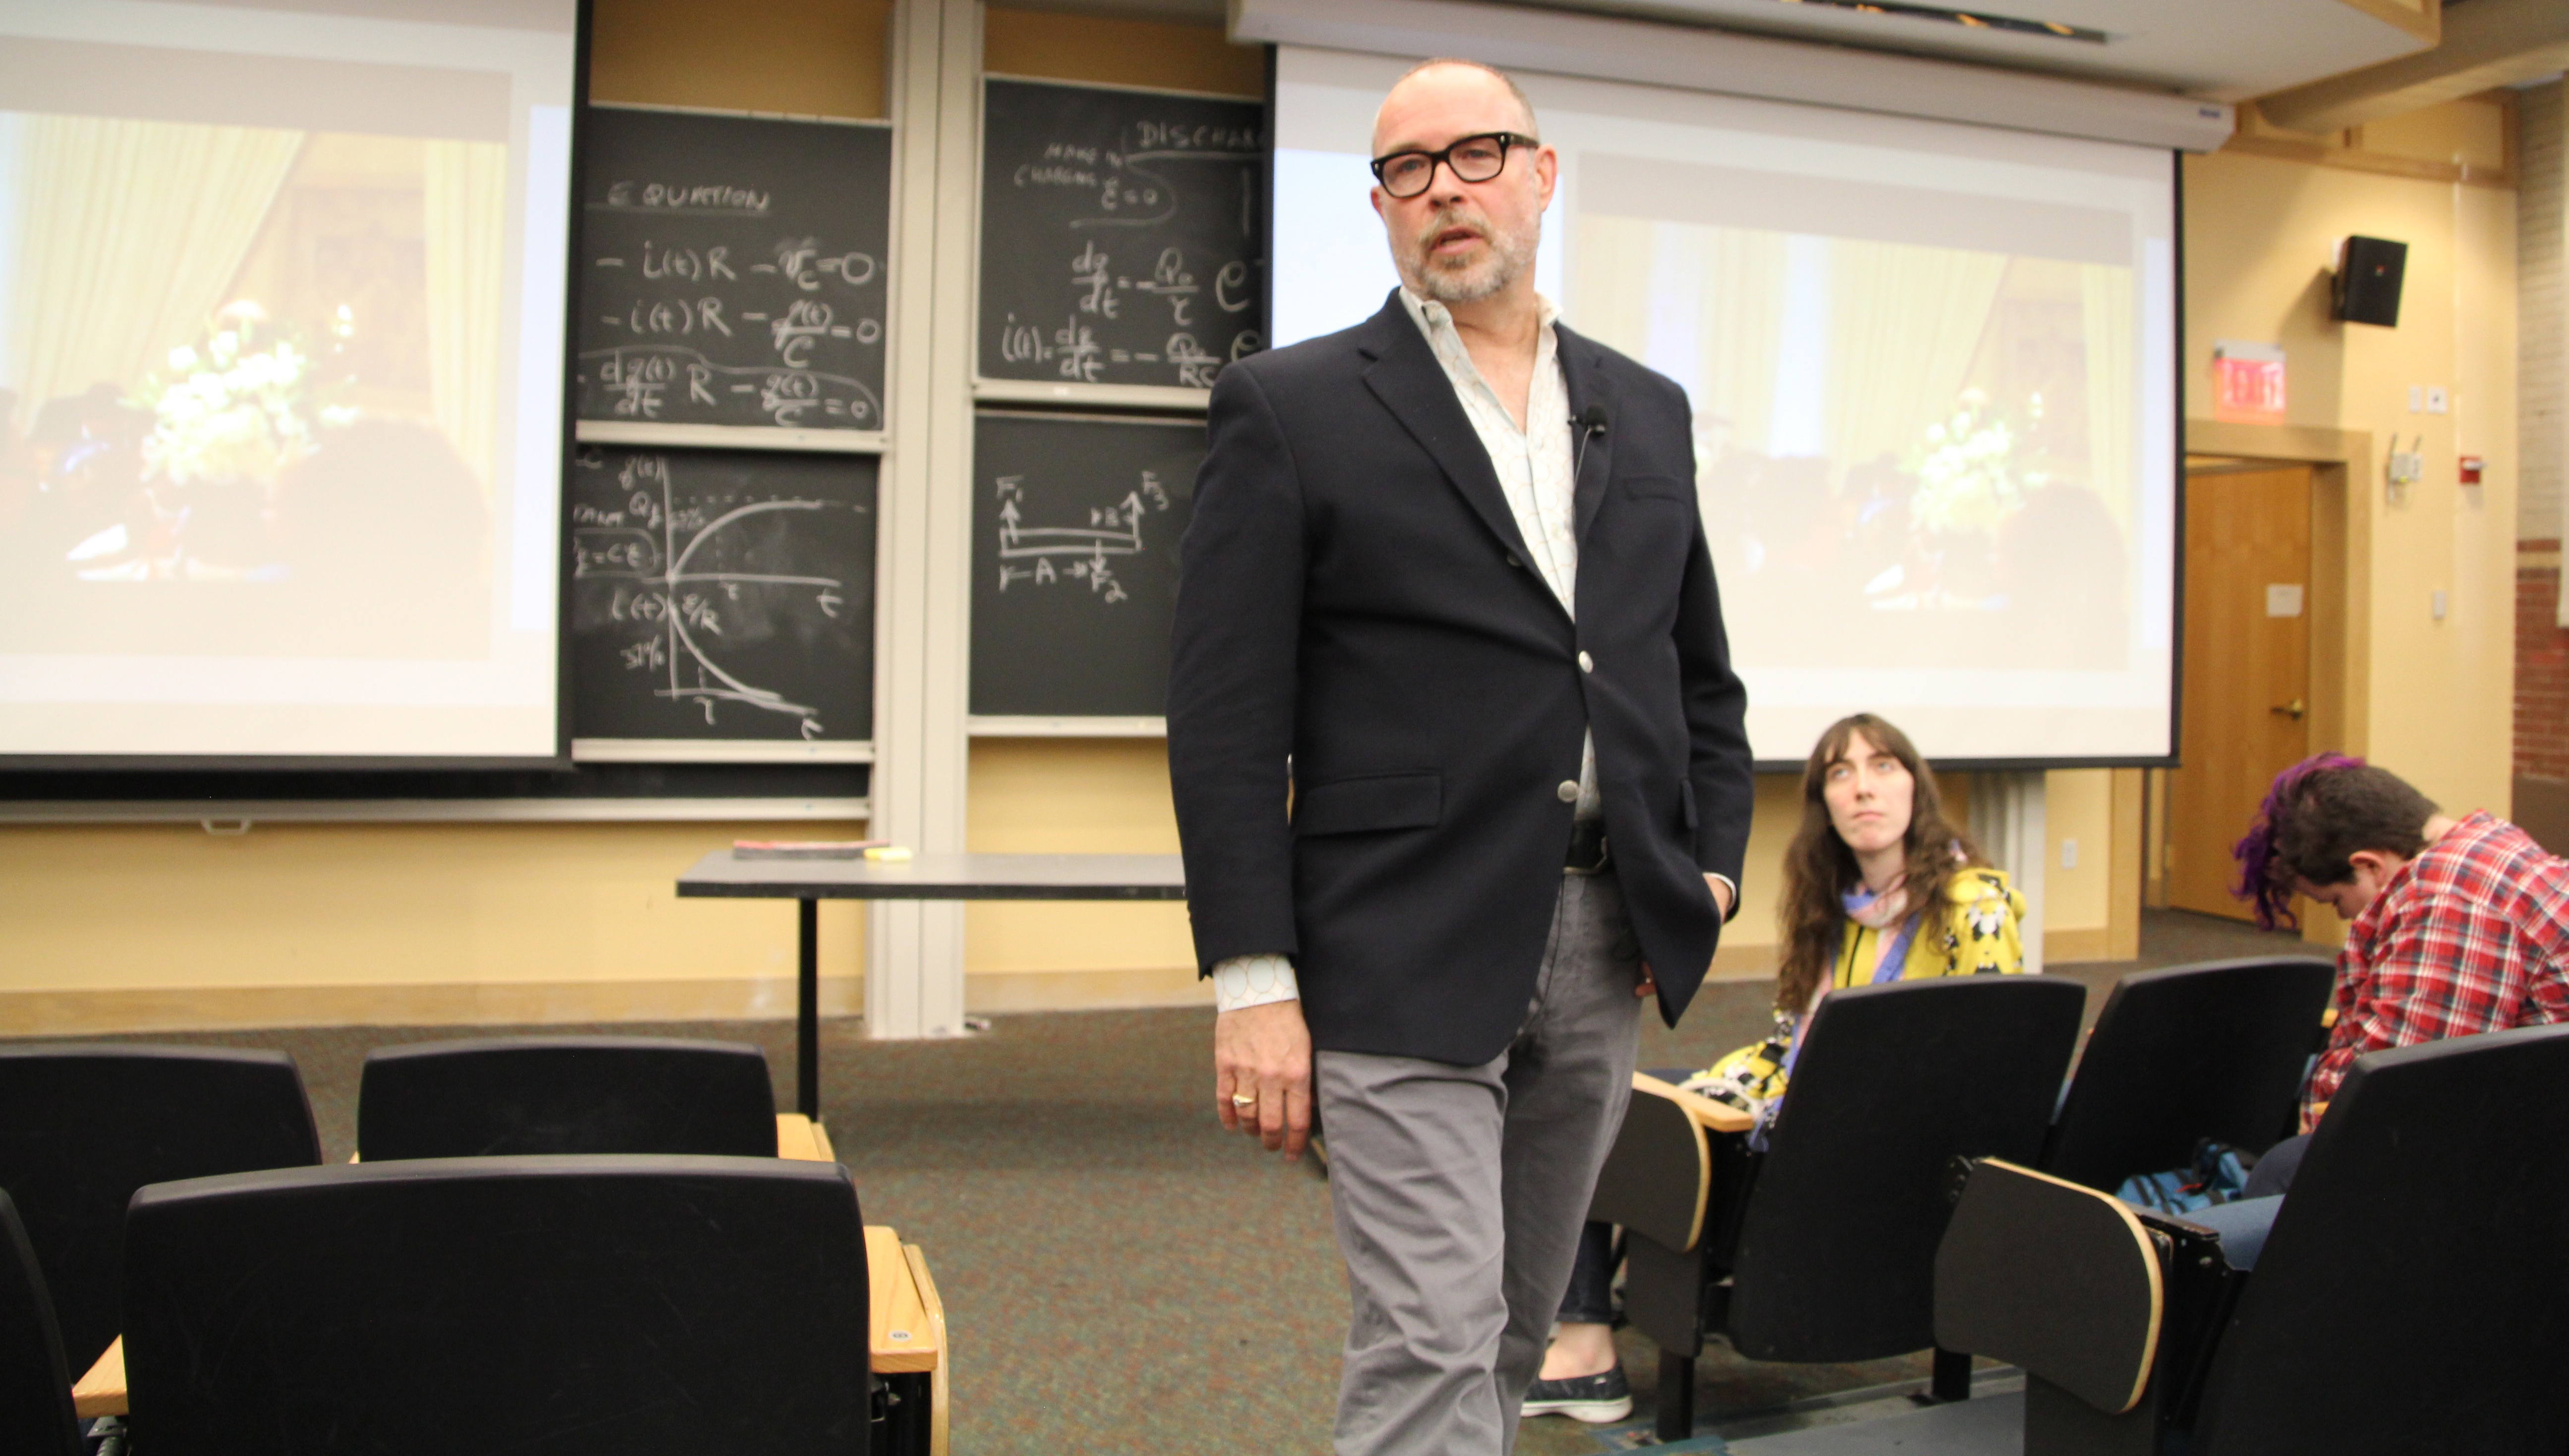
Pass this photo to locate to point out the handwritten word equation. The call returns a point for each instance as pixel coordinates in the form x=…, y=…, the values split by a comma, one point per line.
x=1047, y=556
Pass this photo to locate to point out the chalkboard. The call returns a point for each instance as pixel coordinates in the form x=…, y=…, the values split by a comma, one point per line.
x=587, y=791
x=722, y=595
x=1121, y=242
x=732, y=270
x=1075, y=526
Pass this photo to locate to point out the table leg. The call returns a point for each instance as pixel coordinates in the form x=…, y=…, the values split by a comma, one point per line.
x=807, y=1017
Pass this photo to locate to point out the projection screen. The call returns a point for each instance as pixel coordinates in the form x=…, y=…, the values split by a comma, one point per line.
x=281, y=291
x=1932, y=373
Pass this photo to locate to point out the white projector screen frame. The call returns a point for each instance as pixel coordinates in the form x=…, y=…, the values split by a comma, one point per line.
x=313, y=124
x=1677, y=197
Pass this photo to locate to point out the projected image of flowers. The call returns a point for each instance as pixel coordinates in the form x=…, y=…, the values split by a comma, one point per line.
x=258, y=365
x=1902, y=448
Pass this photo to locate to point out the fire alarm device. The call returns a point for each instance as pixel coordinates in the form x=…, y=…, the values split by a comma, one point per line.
x=2471, y=467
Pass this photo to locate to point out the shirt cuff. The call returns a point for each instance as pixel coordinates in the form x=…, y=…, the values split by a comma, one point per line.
x=1243, y=981
x=1735, y=892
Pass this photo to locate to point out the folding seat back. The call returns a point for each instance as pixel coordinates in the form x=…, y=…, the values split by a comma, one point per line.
x=2189, y=1052
x=593, y=1305
x=81, y=1126
x=2414, y=1291
x=35, y=1382
x=565, y=1094
x=1837, y=1244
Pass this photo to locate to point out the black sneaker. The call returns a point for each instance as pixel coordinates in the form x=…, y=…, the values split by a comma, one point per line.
x=1594, y=1399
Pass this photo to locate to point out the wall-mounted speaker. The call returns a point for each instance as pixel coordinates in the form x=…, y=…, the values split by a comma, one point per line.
x=2366, y=287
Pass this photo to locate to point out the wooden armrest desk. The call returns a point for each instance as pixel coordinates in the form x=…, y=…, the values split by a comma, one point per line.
x=906, y=1321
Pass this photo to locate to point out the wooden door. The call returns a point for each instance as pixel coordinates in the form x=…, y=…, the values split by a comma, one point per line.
x=2246, y=684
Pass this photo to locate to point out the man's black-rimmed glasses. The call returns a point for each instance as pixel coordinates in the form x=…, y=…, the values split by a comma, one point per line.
x=1472, y=159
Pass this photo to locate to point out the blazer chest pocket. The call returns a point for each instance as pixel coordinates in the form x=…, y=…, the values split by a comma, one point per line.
x=1374, y=802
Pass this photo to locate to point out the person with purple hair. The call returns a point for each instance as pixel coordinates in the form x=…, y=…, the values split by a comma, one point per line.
x=2453, y=927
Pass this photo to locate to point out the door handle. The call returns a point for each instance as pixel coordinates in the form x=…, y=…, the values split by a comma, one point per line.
x=2293, y=710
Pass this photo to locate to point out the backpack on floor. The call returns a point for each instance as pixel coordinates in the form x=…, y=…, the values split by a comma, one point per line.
x=2218, y=1175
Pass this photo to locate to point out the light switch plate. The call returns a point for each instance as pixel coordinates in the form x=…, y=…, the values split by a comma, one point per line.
x=2436, y=400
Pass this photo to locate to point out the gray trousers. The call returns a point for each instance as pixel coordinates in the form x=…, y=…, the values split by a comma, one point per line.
x=1459, y=1192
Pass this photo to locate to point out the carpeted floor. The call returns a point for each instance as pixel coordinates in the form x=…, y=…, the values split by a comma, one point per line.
x=1118, y=1275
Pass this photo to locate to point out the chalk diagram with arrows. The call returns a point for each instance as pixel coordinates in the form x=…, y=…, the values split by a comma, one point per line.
x=1028, y=553
x=744, y=601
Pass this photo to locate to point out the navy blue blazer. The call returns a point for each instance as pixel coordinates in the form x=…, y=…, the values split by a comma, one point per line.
x=1355, y=601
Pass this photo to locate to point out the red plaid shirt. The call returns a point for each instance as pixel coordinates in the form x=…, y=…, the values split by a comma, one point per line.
x=2472, y=935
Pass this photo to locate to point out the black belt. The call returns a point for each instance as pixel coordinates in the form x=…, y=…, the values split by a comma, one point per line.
x=1588, y=853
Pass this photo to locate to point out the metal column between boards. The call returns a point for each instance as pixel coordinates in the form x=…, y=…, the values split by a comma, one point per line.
x=807, y=1013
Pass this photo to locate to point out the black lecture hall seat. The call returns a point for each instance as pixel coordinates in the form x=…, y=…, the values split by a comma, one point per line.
x=2407, y=1298
x=2186, y=1053
x=35, y=1380
x=565, y=1094
x=1828, y=1238
x=81, y=1126
x=589, y=1305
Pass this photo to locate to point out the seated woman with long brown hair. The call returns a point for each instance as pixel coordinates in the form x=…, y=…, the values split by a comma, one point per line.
x=1879, y=886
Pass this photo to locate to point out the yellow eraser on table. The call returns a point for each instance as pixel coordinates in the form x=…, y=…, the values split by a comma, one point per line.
x=887, y=851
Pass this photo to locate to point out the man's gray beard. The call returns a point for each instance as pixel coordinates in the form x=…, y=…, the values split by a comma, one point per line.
x=1508, y=261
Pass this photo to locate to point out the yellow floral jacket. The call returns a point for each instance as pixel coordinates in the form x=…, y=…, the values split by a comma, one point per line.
x=1980, y=933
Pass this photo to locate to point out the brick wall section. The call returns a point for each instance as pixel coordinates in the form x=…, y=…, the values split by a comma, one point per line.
x=2541, y=665
x=2541, y=644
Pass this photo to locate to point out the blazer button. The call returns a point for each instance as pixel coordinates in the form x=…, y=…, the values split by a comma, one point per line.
x=1569, y=791
x=1513, y=563
x=1587, y=663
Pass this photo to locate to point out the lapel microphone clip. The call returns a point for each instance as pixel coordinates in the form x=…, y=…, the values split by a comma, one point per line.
x=1591, y=424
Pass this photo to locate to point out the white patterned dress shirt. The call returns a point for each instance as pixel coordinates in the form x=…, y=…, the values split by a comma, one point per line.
x=1536, y=469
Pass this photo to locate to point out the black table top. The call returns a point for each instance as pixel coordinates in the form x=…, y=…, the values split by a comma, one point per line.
x=940, y=876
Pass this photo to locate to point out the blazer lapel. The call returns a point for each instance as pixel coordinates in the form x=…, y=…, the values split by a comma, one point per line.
x=1593, y=454
x=1411, y=384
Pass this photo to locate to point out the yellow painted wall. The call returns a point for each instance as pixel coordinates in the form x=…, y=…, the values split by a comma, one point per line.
x=1096, y=796
x=126, y=927
x=2260, y=236
x=1119, y=52
x=1078, y=793
x=141, y=926
x=129, y=928
x=801, y=57
x=1074, y=796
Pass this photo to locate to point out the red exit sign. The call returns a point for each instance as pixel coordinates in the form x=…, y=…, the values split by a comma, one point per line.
x=2247, y=383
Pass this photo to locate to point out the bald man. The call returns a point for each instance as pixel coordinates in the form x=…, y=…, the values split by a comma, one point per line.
x=1460, y=770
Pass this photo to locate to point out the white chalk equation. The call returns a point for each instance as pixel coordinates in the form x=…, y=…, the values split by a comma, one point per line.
x=1136, y=188
x=667, y=381
x=648, y=545
x=679, y=332
x=1099, y=296
x=1051, y=555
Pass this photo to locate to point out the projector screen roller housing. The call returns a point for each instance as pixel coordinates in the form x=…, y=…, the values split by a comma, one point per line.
x=1933, y=370
x=281, y=341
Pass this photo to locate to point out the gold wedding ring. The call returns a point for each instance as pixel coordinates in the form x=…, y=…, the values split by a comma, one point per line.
x=1236, y=1100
